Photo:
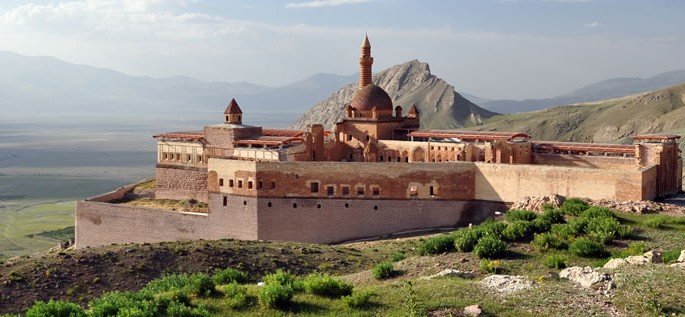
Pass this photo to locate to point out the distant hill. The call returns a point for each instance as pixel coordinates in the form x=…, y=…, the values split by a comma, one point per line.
x=45, y=87
x=441, y=107
x=608, y=121
x=606, y=89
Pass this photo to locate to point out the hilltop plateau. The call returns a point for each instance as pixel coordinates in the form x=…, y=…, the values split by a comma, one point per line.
x=411, y=83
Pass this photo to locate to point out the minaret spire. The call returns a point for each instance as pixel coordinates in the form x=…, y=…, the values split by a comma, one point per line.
x=365, y=62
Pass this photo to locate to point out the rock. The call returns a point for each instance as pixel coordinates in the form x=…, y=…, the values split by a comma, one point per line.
x=449, y=273
x=537, y=203
x=614, y=263
x=654, y=257
x=678, y=264
x=637, y=260
x=587, y=277
x=506, y=283
x=681, y=258
x=473, y=311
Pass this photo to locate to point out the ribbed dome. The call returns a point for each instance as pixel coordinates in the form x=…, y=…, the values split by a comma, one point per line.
x=371, y=96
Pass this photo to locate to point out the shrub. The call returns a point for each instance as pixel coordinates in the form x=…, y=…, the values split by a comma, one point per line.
x=283, y=278
x=494, y=266
x=199, y=284
x=465, y=240
x=397, y=256
x=490, y=228
x=565, y=232
x=358, y=299
x=574, y=206
x=553, y=216
x=228, y=276
x=519, y=214
x=177, y=309
x=657, y=222
x=236, y=295
x=602, y=229
x=326, y=285
x=625, y=231
x=516, y=230
x=555, y=261
x=436, y=245
x=577, y=226
x=546, y=241
x=116, y=303
x=540, y=225
x=489, y=247
x=55, y=309
x=275, y=295
x=587, y=248
x=383, y=270
x=597, y=212
x=637, y=248
x=670, y=256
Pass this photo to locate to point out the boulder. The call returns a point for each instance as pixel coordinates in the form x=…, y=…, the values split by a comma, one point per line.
x=537, y=203
x=654, y=257
x=681, y=258
x=637, y=260
x=506, y=283
x=449, y=273
x=587, y=277
x=614, y=263
x=473, y=311
x=678, y=264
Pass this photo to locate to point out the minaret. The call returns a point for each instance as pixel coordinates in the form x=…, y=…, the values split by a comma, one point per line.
x=365, y=62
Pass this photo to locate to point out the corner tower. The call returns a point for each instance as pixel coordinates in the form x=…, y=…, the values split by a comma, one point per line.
x=365, y=62
x=233, y=113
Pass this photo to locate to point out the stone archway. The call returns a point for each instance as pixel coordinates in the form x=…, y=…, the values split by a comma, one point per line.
x=418, y=155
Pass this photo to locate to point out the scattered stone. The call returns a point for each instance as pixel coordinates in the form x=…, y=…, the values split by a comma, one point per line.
x=449, y=273
x=678, y=264
x=681, y=258
x=641, y=207
x=506, y=283
x=587, y=277
x=637, y=260
x=614, y=263
x=537, y=203
x=654, y=257
x=473, y=311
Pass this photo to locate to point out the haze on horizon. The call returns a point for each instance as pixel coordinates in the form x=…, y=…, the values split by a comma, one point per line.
x=491, y=48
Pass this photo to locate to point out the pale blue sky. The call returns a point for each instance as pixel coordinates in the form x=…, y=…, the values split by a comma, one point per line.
x=491, y=48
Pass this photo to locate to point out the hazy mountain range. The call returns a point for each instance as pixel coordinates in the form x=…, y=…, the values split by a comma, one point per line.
x=606, y=89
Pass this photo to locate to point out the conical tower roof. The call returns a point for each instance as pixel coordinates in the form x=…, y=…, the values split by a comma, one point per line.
x=233, y=108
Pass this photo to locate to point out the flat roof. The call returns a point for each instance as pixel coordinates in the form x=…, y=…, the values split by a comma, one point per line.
x=267, y=140
x=659, y=137
x=585, y=147
x=182, y=135
x=468, y=135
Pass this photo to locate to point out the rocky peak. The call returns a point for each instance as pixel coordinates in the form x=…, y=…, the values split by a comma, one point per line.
x=440, y=106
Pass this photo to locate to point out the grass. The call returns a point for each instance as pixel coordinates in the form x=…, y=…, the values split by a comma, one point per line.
x=169, y=204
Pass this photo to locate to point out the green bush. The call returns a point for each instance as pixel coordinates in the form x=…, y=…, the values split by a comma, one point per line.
x=516, y=230
x=490, y=228
x=275, y=295
x=494, y=266
x=553, y=216
x=284, y=278
x=228, y=276
x=177, y=309
x=657, y=222
x=574, y=206
x=540, y=225
x=555, y=261
x=565, y=232
x=465, y=240
x=597, y=212
x=436, y=245
x=358, y=299
x=489, y=247
x=113, y=303
x=519, y=214
x=236, y=296
x=577, y=226
x=637, y=248
x=397, y=256
x=326, y=285
x=602, y=229
x=625, y=231
x=546, y=241
x=587, y=248
x=670, y=256
x=383, y=270
x=55, y=309
x=199, y=284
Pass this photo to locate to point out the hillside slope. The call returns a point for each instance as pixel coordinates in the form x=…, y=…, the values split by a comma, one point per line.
x=609, y=121
x=441, y=107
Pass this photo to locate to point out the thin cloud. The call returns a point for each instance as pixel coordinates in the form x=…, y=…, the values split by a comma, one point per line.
x=322, y=3
x=592, y=24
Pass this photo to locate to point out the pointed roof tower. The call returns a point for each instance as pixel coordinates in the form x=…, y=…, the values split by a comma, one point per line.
x=233, y=114
x=413, y=112
x=365, y=62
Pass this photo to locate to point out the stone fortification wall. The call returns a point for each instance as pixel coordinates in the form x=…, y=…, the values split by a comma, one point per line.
x=511, y=183
x=176, y=182
x=602, y=162
x=115, y=194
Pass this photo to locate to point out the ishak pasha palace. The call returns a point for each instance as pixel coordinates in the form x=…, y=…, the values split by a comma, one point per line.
x=377, y=173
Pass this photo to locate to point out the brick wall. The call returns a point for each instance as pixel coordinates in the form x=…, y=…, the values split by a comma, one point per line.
x=175, y=182
x=603, y=162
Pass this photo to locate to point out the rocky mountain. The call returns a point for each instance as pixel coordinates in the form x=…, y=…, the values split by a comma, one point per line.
x=606, y=89
x=440, y=106
x=608, y=121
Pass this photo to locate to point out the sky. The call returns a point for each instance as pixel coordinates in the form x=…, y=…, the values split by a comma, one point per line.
x=514, y=49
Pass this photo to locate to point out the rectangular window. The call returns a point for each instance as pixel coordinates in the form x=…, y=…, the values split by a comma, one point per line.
x=273, y=185
x=230, y=183
x=360, y=191
x=187, y=157
x=376, y=191
x=260, y=184
x=330, y=190
x=249, y=184
x=240, y=183
x=349, y=137
x=178, y=156
x=225, y=200
x=432, y=191
x=314, y=187
x=221, y=182
x=346, y=191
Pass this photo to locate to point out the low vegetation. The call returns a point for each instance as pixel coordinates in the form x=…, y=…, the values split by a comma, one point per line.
x=382, y=277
